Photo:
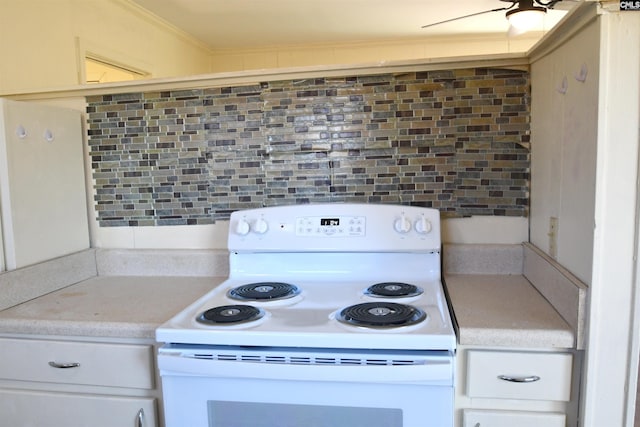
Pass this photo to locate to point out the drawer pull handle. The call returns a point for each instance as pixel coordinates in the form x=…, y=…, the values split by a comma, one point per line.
x=140, y=418
x=530, y=379
x=64, y=365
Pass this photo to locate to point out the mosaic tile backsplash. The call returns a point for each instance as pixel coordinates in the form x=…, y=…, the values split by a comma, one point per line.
x=455, y=140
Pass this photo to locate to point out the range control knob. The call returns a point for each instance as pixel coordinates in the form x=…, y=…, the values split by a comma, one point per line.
x=402, y=225
x=423, y=225
x=242, y=227
x=260, y=226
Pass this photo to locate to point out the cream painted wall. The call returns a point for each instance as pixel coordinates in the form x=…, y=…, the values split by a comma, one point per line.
x=42, y=42
x=120, y=31
x=355, y=53
x=585, y=157
x=563, y=150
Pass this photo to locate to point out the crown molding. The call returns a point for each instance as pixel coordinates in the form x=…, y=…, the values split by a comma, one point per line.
x=154, y=19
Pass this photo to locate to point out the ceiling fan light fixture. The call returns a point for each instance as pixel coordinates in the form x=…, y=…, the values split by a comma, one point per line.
x=526, y=18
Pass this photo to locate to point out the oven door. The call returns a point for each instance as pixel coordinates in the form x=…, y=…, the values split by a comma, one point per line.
x=213, y=389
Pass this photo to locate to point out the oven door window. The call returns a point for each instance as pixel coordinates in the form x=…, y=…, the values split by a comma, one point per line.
x=250, y=414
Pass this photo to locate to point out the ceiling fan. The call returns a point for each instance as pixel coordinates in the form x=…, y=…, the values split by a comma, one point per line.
x=523, y=15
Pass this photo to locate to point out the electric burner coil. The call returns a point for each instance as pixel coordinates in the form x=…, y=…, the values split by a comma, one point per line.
x=393, y=290
x=381, y=315
x=230, y=314
x=264, y=291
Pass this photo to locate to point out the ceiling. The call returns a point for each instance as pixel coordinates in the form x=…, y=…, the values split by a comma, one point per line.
x=259, y=24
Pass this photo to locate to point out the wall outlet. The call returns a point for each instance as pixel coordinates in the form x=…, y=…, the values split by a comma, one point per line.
x=553, y=237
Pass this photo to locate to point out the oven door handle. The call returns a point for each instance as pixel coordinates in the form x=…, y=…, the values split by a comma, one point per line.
x=436, y=370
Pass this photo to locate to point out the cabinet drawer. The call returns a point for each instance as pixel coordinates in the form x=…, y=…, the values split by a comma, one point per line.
x=519, y=375
x=101, y=364
x=41, y=409
x=492, y=418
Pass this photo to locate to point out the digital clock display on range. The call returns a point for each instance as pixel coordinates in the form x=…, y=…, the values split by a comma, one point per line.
x=330, y=222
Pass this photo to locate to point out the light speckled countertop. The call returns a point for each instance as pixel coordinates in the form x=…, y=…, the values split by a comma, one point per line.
x=491, y=310
x=505, y=310
x=129, y=293
x=107, y=306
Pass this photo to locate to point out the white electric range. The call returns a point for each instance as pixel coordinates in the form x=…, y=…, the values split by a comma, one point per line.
x=322, y=301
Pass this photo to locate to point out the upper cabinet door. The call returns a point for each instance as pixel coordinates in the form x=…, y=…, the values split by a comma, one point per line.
x=42, y=183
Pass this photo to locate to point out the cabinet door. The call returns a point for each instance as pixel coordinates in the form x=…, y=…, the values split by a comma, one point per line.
x=42, y=409
x=491, y=418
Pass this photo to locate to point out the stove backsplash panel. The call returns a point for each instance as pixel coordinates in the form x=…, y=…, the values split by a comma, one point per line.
x=455, y=140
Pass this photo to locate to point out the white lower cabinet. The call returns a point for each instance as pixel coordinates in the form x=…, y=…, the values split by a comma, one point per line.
x=75, y=383
x=50, y=409
x=515, y=388
x=489, y=418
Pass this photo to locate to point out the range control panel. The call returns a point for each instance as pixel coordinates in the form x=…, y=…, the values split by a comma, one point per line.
x=331, y=226
x=335, y=227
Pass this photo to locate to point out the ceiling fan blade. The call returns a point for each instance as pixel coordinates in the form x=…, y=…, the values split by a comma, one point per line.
x=471, y=14
x=549, y=4
x=564, y=4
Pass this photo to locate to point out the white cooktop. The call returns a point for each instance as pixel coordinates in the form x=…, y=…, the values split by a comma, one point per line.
x=308, y=320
